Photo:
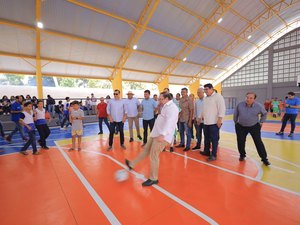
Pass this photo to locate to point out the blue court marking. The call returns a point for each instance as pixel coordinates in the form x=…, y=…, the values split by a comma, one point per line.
x=56, y=135
x=228, y=126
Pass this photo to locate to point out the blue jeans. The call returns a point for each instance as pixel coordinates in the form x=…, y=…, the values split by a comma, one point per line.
x=199, y=129
x=31, y=141
x=51, y=110
x=286, y=118
x=18, y=127
x=211, y=135
x=100, y=123
x=183, y=127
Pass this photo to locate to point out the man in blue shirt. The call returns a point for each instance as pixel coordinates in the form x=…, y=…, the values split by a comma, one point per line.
x=16, y=110
x=292, y=104
x=148, y=108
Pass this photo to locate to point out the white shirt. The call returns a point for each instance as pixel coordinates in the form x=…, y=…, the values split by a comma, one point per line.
x=166, y=122
x=40, y=114
x=132, y=107
x=213, y=107
x=117, y=109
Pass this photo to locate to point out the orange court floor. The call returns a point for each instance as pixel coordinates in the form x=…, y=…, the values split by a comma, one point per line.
x=78, y=187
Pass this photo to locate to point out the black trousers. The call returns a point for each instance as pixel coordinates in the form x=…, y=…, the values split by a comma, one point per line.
x=44, y=133
x=112, y=129
x=147, y=123
x=241, y=134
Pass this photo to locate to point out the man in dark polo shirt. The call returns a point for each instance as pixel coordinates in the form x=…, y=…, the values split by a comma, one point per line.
x=248, y=118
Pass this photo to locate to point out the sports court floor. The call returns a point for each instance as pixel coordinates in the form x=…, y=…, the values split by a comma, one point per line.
x=62, y=187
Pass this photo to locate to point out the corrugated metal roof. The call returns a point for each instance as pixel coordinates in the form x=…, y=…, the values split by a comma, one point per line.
x=144, y=62
x=16, y=64
x=172, y=20
x=216, y=39
x=20, y=11
x=201, y=56
x=15, y=40
x=130, y=9
x=173, y=27
x=155, y=43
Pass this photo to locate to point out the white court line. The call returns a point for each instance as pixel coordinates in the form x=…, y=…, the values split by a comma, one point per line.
x=239, y=174
x=279, y=168
x=173, y=197
x=101, y=204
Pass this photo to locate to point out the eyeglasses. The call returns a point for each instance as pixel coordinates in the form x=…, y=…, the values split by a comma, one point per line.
x=116, y=93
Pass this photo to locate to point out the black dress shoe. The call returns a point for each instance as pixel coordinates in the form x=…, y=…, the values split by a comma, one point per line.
x=266, y=162
x=149, y=182
x=196, y=148
x=100, y=132
x=171, y=149
x=127, y=162
x=186, y=149
x=179, y=146
x=242, y=158
x=139, y=137
x=205, y=153
x=131, y=140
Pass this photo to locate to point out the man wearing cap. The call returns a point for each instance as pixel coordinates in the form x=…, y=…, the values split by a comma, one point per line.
x=132, y=105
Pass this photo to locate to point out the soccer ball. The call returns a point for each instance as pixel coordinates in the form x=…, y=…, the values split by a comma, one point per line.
x=121, y=175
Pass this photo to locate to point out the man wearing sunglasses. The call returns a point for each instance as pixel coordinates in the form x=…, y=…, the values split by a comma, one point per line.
x=117, y=114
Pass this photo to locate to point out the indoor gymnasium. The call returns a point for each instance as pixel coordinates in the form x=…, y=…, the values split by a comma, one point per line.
x=149, y=112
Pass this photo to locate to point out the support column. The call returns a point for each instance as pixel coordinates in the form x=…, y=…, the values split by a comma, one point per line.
x=38, y=69
x=163, y=84
x=117, y=82
x=270, y=73
x=194, y=87
x=218, y=87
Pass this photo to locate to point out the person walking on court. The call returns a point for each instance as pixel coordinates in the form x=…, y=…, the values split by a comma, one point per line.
x=117, y=114
x=160, y=136
x=197, y=120
x=27, y=120
x=249, y=117
x=76, y=118
x=93, y=103
x=41, y=124
x=292, y=105
x=16, y=110
x=148, y=108
x=212, y=112
x=102, y=114
x=132, y=104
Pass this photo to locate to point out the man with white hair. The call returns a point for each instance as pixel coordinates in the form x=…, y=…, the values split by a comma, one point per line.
x=132, y=104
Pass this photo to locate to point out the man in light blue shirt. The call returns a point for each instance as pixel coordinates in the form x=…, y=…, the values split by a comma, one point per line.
x=292, y=105
x=197, y=120
x=117, y=113
x=132, y=105
x=148, y=108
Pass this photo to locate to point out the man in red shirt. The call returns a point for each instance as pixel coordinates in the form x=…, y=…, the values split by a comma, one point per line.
x=102, y=114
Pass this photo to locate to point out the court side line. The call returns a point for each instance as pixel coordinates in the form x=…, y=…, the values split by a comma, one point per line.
x=239, y=174
x=103, y=207
x=162, y=190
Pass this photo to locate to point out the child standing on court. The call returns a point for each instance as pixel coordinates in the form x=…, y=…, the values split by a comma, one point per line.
x=76, y=117
x=41, y=124
x=26, y=119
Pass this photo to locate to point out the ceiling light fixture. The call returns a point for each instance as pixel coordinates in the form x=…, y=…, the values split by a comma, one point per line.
x=135, y=47
x=40, y=25
x=216, y=66
x=249, y=36
x=220, y=20
x=184, y=59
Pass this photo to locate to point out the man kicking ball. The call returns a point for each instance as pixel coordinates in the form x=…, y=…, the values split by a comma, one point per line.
x=160, y=136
